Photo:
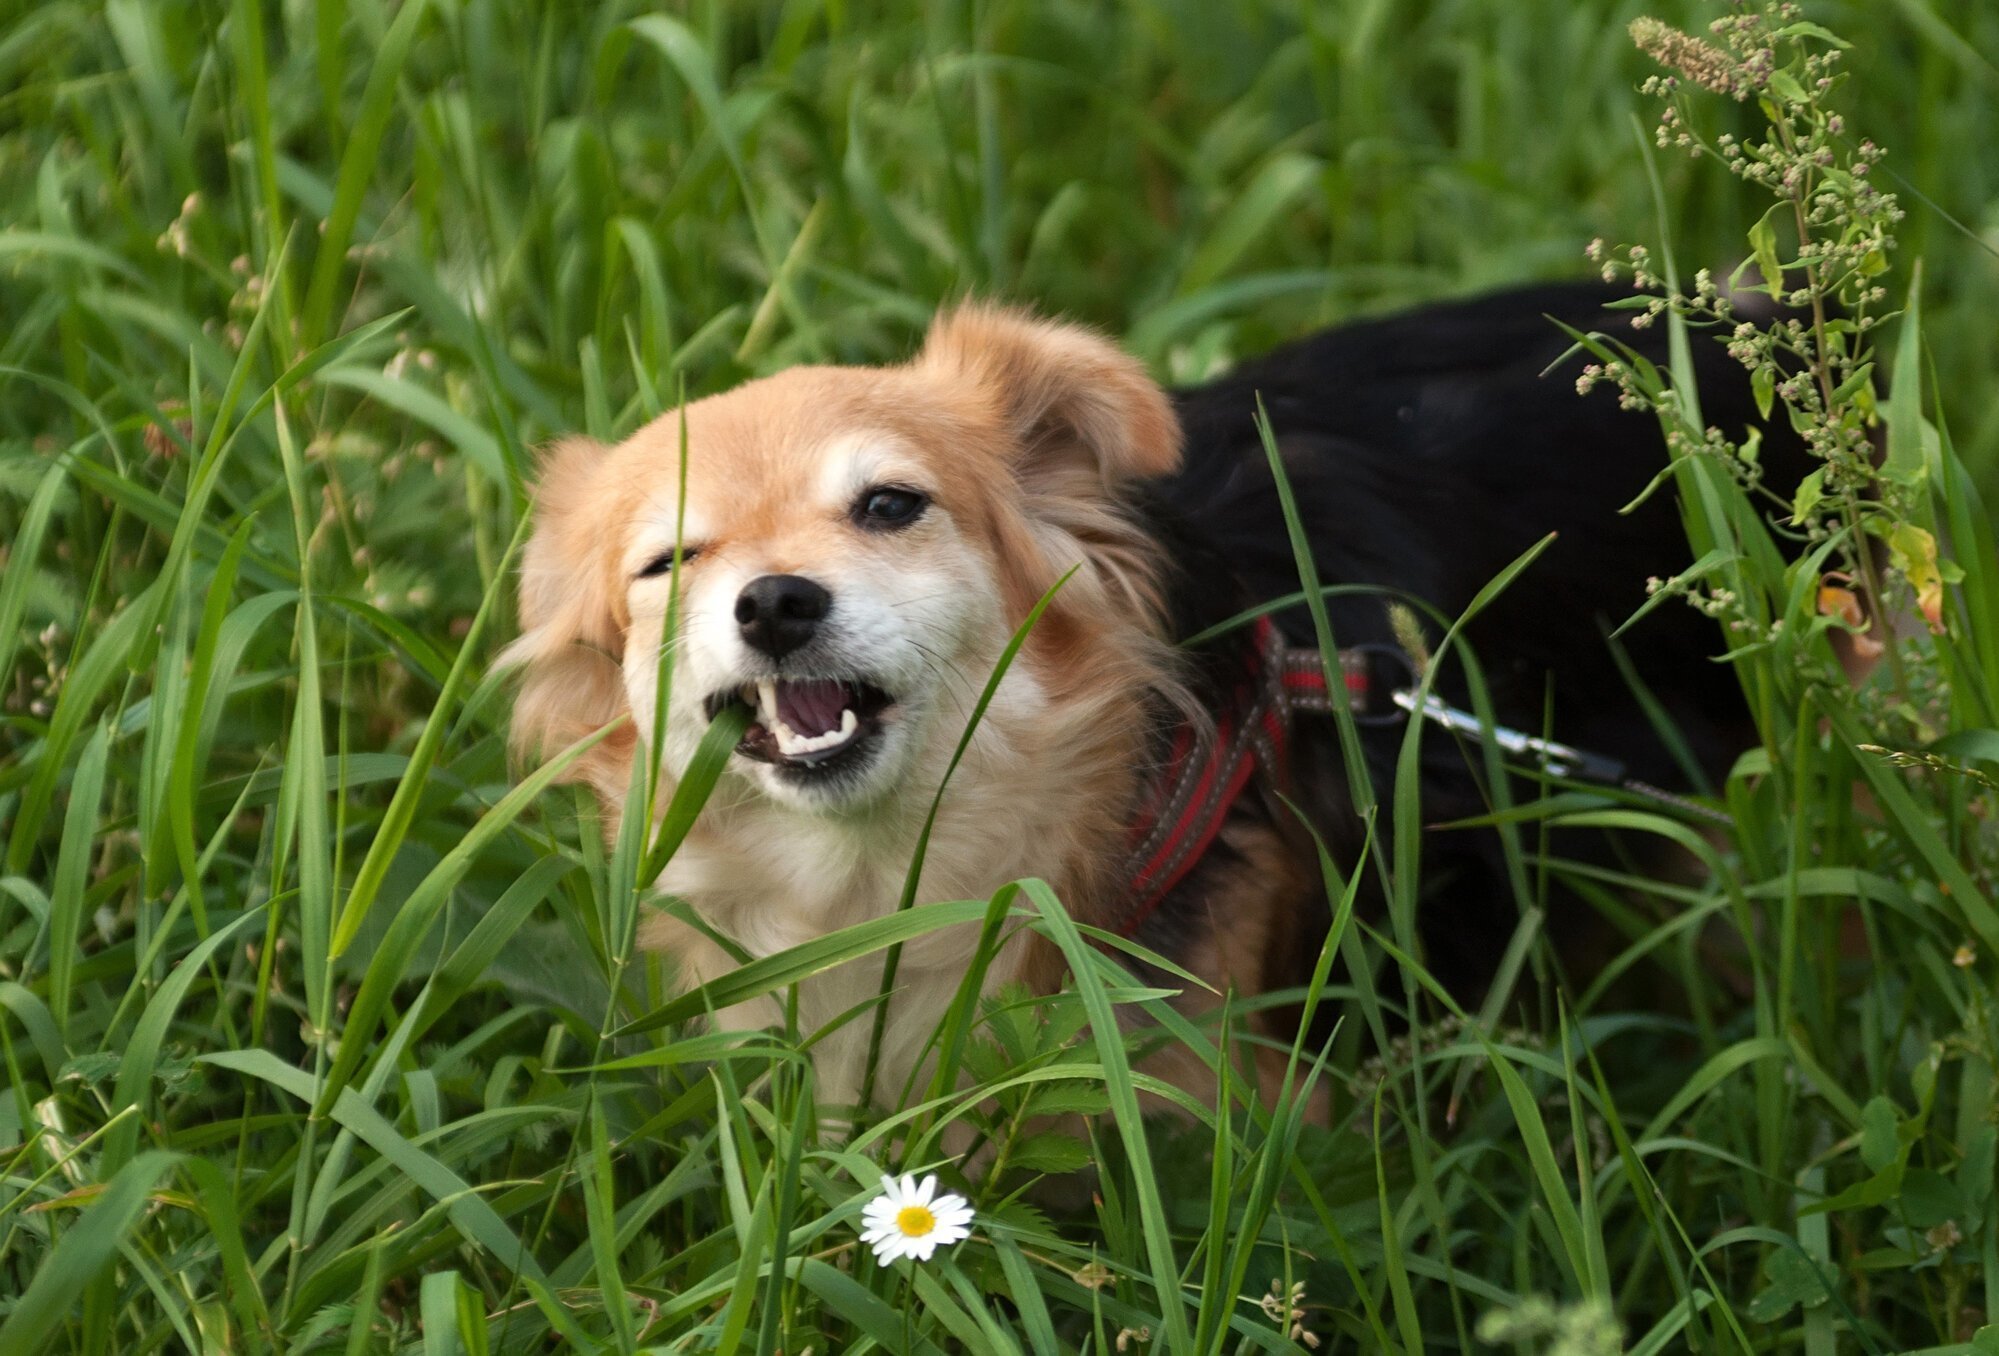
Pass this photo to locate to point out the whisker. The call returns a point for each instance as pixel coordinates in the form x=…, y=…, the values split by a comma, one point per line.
x=946, y=674
x=924, y=598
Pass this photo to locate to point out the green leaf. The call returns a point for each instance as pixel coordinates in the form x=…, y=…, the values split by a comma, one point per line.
x=216, y=1194
x=1547, y=1171
x=402, y=809
x=767, y=973
x=1105, y=1031
x=1806, y=29
x=1907, y=461
x=1787, y=87
x=438, y=1304
x=468, y=1209
x=1763, y=248
x=23, y=552
x=1929, y=1198
x=704, y=769
x=1854, y=384
x=85, y=1250
x=67, y=894
x=359, y=160
x=1880, y=1144
x=413, y=921
x=103, y=658
x=1070, y=1099
x=142, y=1047
x=33, y=1014
x=1719, y=558
x=1763, y=385
x=1974, y=1175
x=853, y=1302
x=1811, y=492
x=1050, y=1152
x=426, y=407
x=1794, y=1280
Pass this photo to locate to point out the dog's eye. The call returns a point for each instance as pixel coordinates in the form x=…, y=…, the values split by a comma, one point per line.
x=887, y=507
x=663, y=562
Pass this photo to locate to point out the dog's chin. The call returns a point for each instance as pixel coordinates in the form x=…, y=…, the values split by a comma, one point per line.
x=841, y=747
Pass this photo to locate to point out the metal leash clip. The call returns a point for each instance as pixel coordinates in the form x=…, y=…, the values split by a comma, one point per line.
x=1558, y=760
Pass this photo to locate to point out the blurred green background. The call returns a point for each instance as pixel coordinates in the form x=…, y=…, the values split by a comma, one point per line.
x=721, y=189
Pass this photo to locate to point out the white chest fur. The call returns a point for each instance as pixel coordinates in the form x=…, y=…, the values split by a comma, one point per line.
x=771, y=879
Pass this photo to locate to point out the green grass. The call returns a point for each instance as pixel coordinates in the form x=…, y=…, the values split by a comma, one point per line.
x=322, y=1024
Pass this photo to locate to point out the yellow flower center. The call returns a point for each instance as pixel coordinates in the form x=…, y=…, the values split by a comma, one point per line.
x=915, y=1221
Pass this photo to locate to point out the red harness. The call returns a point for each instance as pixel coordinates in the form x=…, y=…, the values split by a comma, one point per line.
x=1206, y=771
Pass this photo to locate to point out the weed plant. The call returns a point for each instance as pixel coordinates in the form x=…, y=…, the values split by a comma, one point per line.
x=323, y=1027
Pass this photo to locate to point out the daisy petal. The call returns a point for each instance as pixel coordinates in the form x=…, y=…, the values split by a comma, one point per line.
x=943, y=1218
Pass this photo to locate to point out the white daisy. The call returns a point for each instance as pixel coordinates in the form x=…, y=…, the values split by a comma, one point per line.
x=909, y=1219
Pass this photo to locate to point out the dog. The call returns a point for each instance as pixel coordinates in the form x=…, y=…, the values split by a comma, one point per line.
x=857, y=546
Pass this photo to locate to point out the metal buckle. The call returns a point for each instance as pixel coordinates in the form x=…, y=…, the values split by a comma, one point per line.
x=1373, y=650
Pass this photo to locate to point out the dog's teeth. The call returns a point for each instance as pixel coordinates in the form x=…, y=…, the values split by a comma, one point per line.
x=792, y=744
x=767, y=704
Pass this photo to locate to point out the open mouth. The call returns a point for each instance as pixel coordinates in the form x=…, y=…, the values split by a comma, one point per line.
x=806, y=724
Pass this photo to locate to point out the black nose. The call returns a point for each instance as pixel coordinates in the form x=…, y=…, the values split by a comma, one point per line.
x=779, y=612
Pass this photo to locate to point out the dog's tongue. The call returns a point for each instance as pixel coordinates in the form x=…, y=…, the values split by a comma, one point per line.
x=812, y=706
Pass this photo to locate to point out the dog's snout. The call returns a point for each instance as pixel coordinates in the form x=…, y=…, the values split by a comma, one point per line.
x=779, y=612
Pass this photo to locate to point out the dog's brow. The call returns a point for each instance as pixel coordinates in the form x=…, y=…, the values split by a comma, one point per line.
x=851, y=462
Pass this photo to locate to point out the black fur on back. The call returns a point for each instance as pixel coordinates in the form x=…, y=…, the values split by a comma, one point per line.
x=1426, y=451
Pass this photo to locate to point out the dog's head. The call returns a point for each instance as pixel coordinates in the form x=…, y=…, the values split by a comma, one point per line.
x=856, y=547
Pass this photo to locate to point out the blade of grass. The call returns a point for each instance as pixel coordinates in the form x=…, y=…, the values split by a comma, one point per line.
x=84, y=1251
x=359, y=161
x=914, y=876
x=469, y=1211
x=397, y=819
x=413, y=921
x=1109, y=1044
x=67, y=898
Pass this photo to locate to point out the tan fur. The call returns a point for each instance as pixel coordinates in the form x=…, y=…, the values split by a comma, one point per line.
x=571, y=615
x=1246, y=948
x=1022, y=432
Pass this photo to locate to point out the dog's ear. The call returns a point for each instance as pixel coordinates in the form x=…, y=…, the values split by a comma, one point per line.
x=571, y=608
x=1071, y=398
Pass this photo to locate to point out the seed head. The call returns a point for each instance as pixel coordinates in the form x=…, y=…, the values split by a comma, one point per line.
x=1701, y=62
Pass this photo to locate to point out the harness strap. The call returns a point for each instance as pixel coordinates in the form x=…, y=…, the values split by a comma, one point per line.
x=1205, y=772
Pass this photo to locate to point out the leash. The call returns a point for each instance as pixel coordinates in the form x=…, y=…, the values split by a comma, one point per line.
x=1557, y=760
x=1204, y=772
